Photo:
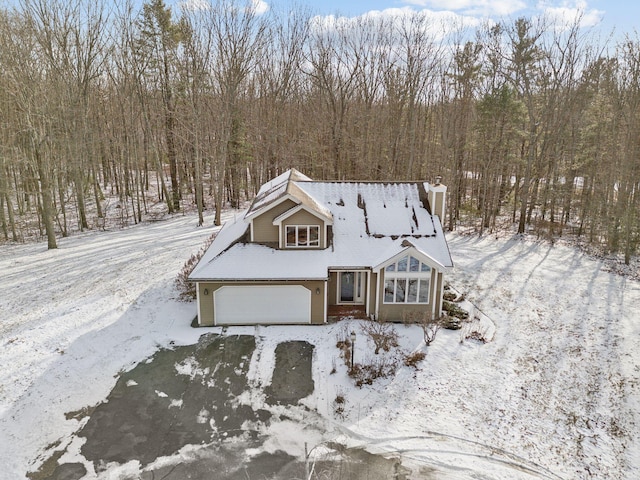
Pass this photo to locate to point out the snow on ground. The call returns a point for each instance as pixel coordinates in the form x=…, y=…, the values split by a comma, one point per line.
x=554, y=395
x=72, y=318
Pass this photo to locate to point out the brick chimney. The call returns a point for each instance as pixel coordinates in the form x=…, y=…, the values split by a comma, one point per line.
x=437, y=194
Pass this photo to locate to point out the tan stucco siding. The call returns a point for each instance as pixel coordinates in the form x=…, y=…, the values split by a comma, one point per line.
x=305, y=218
x=206, y=305
x=264, y=231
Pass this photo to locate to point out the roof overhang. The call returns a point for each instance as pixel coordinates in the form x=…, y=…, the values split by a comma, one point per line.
x=286, y=196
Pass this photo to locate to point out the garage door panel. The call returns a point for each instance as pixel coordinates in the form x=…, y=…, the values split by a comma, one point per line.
x=249, y=305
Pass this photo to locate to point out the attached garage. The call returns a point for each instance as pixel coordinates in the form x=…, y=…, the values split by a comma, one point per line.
x=262, y=304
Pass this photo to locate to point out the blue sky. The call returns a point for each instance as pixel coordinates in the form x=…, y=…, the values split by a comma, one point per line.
x=606, y=15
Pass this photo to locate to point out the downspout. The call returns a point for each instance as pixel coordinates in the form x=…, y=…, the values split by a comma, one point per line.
x=198, y=303
x=434, y=288
x=368, y=295
x=326, y=300
x=378, y=293
x=441, y=275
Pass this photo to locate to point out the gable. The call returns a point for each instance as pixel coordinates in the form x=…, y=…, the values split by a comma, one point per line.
x=262, y=228
x=409, y=251
x=302, y=215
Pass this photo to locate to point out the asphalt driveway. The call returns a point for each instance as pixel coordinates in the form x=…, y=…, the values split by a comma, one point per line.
x=195, y=397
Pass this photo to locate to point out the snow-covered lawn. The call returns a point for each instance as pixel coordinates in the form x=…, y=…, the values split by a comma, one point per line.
x=554, y=395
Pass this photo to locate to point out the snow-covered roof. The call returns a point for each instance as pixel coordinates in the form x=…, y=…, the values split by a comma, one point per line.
x=372, y=222
x=277, y=188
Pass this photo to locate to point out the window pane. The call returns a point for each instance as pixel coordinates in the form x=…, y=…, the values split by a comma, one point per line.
x=302, y=236
x=314, y=236
x=414, y=264
x=423, y=297
x=412, y=294
x=291, y=236
x=401, y=288
x=425, y=268
x=388, y=291
x=402, y=264
x=390, y=268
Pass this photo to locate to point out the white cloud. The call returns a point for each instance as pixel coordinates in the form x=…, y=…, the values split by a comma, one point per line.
x=483, y=8
x=260, y=7
x=438, y=24
x=569, y=11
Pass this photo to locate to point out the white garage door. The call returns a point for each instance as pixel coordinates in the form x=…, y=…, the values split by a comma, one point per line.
x=249, y=305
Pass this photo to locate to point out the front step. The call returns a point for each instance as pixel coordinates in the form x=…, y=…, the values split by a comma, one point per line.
x=338, y=312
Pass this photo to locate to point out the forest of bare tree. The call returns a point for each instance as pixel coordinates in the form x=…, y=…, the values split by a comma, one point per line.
x=109, y=108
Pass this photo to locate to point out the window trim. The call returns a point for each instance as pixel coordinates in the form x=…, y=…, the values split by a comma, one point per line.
x=298, y=229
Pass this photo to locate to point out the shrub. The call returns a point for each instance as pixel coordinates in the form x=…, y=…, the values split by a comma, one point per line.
x=382, y=334
x=454, y=310
x=412, y=359
x=187, y=289
x=339, y=404
x=450, y=296
x=343, y=344
x=430, y=327
x=450, y=323
x=474, y=331
x=365, y=374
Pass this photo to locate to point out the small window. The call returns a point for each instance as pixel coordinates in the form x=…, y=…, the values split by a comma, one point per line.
x=314, y=236
x=401, y=288
x=402, y=264
x=291, y=236
x=412, y=292
x=389, y=287
x=414, y=264
x=423, y=296
x=302, y=236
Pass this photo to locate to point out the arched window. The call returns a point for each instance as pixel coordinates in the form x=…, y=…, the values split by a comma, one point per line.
x=407, y=281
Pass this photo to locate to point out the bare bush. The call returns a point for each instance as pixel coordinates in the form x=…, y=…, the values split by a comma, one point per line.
x=365, y=374
x=412, y=359
x=430, y=327
x=343, y=344
x=339, y=403
x=382, y=334
x=186, y=288
x=475, y=331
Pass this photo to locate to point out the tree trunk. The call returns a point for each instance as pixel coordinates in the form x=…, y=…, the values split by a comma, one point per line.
x=47, y=199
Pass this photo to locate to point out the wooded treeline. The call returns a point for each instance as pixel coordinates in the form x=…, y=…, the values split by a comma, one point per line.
x=525, y=122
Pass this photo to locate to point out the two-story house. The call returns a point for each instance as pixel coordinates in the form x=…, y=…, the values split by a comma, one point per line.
x=306, y=248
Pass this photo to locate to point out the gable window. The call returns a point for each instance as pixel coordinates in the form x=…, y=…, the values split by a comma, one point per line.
x=407, y=281
x=302, y=236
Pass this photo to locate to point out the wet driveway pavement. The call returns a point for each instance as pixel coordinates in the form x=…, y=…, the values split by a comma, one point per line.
x=190, y=412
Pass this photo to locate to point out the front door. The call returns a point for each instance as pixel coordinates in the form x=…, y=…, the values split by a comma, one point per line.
x=351, y=289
